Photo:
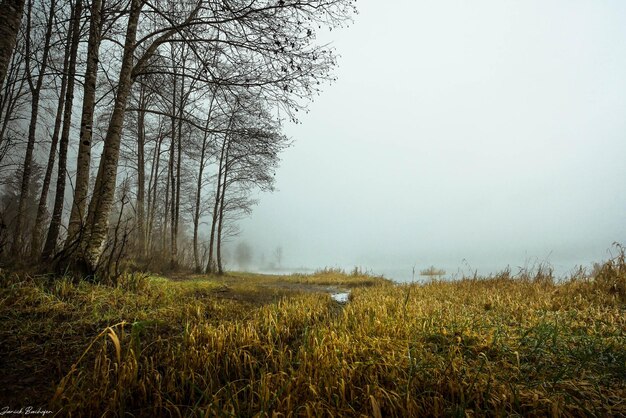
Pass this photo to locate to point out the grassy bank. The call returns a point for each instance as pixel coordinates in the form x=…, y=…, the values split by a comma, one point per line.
x=253, y=345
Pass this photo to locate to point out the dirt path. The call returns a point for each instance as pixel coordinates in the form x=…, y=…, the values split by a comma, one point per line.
x=260, y=290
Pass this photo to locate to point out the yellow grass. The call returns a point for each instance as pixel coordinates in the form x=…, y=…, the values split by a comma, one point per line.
x=498, y=346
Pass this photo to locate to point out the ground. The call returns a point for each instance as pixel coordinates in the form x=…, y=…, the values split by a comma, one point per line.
x=255, y=345
x=39, y=342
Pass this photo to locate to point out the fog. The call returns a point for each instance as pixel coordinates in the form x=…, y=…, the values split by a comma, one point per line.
x=466, y=135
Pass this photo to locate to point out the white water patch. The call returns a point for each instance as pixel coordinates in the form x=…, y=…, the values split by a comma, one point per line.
x=340, y=297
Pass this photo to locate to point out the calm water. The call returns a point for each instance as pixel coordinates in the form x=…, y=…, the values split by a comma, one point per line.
x=405, y=274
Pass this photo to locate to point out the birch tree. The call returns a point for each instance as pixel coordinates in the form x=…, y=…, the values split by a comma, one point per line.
x=83, y=161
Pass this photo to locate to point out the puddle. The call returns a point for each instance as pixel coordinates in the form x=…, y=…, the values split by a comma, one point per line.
x=340, y=297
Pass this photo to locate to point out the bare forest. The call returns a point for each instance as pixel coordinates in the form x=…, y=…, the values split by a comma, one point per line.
x=134, y=133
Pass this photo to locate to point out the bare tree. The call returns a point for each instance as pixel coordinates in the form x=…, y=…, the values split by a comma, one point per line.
x=35, y=85
x=86, y=125
x=95, y=230
x=248, y=156
x=204, y=151
x=59, y=198
x=141, y=174
x=265, y=47
x=153, y=187
x=36, y=240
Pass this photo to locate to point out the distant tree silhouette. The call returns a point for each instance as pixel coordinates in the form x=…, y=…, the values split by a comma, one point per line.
x=243, y=255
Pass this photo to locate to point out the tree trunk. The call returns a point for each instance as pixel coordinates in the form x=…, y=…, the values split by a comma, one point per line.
x=196, y=218
x=172, y=206
x=90, y=244
x=141, y=175
x=220, y=267
x=173, y=249
x=178, y=168
x=211, y=268
x=10, y=18
x=166, y=208
x=59, y=198
x=36, y=241
x=32, y=127
x=86, y=125
x=154, y=178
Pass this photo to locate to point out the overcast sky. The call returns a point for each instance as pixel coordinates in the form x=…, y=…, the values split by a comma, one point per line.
x=490, y=131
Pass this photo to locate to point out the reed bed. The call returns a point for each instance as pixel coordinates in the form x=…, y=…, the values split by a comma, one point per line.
x=496, y=346
x=337, y=277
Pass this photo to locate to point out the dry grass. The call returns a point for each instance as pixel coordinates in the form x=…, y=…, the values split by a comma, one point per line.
x=337, y=277
x=326, y=277
x=500, y=346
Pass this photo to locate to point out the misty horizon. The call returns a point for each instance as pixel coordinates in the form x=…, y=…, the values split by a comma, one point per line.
x=485, y=135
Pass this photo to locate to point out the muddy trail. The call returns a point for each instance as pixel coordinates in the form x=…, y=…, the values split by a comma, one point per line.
x=258, y=289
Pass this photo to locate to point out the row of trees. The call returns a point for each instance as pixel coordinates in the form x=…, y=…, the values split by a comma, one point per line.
x=183, y=102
